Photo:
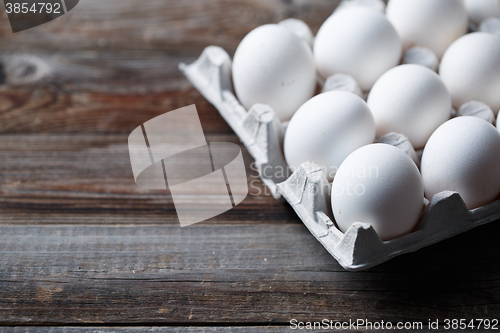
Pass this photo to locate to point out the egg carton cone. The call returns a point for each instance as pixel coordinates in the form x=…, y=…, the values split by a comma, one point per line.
x=307, y=190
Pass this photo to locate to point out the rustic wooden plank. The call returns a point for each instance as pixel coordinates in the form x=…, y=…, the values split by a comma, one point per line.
x=105, y=44
x=129, y=71
x=191, y=329
x=232, y=274
x=51, y=109
x=108, y=66
x=96, y=94
x=88, y=179
x=146, y=329
x=80, y=245
x=174, y=25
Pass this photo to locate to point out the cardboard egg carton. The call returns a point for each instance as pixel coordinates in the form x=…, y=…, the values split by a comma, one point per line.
x=307, y=189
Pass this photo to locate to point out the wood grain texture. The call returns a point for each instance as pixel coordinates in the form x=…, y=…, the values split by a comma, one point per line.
x=108, y=66
x=54, y=179
x=82, y=245
x=192, y=329
x=49, y=109
x=145, y=329
x=175, y=25
x=232, y=274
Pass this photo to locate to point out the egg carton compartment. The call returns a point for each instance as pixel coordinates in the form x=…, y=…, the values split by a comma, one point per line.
x=307, y=190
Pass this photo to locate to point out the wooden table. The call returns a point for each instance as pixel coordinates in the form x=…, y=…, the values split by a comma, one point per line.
x=83, y=248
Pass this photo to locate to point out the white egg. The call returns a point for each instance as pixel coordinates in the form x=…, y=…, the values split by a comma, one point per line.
x=357, y=41
x=326, y=129
x=273, y=66
x=498, y=121
x=470, y=68
x=463, y=155
x=378, y=184
x=428, y=23
x=411, y=100
x=482, y=9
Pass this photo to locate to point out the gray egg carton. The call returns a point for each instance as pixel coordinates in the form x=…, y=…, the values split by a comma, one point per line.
x=259, y=129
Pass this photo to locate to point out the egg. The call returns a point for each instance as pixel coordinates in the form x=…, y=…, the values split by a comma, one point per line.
x=498, y=122
x=428, y=23
x=411, y=100
x=273, y=66
x=380, y=185
x=357, y=41
x=482, y=9
x=470, y=68
x=326, y=129
x=463, y=155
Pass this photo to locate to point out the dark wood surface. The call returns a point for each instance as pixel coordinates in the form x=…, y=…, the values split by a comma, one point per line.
x=82, y=246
